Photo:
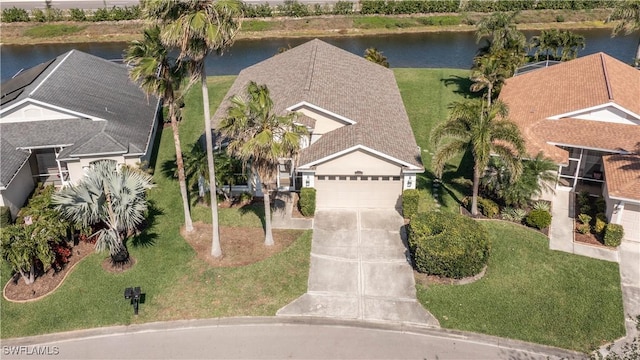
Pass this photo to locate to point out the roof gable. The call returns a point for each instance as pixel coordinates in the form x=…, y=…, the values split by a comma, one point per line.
x=623, y=176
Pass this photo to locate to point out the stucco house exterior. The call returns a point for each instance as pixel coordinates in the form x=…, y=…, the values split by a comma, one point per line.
x=585, y=115
x=58, y=117
x=361, y=151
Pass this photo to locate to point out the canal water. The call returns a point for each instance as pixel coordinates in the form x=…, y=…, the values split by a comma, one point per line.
x=418, y=50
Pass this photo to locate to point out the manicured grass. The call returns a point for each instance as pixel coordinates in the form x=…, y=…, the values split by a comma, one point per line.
x=176, y=284
x=534, y=294
x=427, y=94
x=52, y=30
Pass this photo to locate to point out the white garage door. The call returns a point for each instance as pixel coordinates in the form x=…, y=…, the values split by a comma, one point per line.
x=358, y=191
x=631, y=222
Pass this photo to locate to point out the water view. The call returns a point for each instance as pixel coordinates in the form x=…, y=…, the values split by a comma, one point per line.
x=420, y=50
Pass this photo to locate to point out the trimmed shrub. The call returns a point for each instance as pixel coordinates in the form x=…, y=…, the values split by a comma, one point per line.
x=613, y=235
x=410, y=201
x=488, y=207
x=601, y=223
x=584, y=228
x=5, y=217
x=307, y=201
x=448, y=245
x=540, y=219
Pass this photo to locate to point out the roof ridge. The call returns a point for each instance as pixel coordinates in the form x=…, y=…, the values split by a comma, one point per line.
x=312, y=65
x=52, y=71
x=606, y=76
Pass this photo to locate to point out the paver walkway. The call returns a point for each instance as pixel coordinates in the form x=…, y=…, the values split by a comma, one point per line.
x=359, y=270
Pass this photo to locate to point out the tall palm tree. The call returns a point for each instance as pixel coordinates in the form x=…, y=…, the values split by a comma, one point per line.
x=489, y=73
x=499, y=29
x=160, y=75
x=111, y=198
x=484, y=131
x=261, y=138
x=571, y=43
x=627, y=13
x=197, y=27
x=374, y=55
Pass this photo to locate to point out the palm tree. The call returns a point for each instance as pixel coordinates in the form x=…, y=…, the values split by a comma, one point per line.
x=499, y=29
x=482, y=130
x=547, y=43
x=538, y=175
x=627, y=13
x=571, y=43
x=261, y=138
x=160, y=75
x=197, y=27
x=374, y=55
x=489, y=73
x=110, y=198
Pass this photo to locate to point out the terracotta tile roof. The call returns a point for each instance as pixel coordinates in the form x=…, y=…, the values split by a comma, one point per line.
x=344, y=84
x=585, y=82
x=623, y=176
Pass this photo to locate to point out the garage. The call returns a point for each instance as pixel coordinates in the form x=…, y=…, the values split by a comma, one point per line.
x=631, y=221
x=358, y=191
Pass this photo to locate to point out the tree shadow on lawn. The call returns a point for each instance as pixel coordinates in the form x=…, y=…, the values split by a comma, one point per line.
x=256, y=207
x=452, y=179
x=463, y=86
x=147, y=238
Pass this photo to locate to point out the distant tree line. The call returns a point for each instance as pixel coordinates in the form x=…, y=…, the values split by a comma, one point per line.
x=294, y=8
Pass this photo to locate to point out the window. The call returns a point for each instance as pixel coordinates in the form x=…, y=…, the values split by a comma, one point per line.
x=321, y=177
x=353, y=178
x=385, y=178
x=396, y=178
x=331, y=177
x=343, y=178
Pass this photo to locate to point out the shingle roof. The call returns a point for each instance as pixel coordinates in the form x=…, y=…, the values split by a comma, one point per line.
x=114, y=114
x=344, y=84
x=12, y=161
x=578, y=84
x=623, y=176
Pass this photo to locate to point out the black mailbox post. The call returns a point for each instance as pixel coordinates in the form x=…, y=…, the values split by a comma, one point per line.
x=134, y=295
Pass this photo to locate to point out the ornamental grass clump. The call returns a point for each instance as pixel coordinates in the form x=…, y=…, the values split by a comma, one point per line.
x=449, y=245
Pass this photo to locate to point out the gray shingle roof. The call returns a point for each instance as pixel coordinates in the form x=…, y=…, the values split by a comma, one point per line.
x=12, y=160
x=342, y=83
x=94, y=88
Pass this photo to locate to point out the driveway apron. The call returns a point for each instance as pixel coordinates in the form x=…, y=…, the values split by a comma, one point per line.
x=359, y=270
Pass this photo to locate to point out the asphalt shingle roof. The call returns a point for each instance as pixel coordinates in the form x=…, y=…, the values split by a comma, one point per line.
x=114, y=114
x=578, y=84
x=344, y=84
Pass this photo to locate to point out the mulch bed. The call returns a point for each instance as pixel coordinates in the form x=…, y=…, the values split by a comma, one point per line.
x=17, y=290
x=590, y=239
x=240, y=246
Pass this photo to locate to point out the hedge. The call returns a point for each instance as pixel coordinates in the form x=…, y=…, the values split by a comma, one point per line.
x=410, y=202
x=5, y=217
x=488, y=207
x=448, y=245
x=307, y=201
x=613, y=235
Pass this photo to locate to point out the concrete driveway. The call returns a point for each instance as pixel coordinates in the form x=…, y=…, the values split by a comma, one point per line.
x=359, y=270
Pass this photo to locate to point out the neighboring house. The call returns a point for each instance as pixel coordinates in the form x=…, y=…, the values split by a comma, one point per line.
x=361, y=151
x=58, y=117
x=585, y=115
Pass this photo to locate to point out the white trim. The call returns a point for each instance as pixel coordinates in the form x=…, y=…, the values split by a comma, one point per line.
x=54, y=107
x=359, y=147
x=412, y=171
x=633, y=201
x=99, y=154
x=42, y=146
x=52, y=71
x=318, y=108
x=623, y=152
x=597, y=107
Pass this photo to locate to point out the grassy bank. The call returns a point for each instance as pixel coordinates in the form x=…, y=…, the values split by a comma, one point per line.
x=322, y=26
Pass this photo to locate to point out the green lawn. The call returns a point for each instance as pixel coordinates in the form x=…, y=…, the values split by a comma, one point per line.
x=176, y=283
x=534, y=294
x=426, y=94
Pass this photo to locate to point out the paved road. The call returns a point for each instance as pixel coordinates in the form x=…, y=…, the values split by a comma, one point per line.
x=359, y=269
x=274, y=338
